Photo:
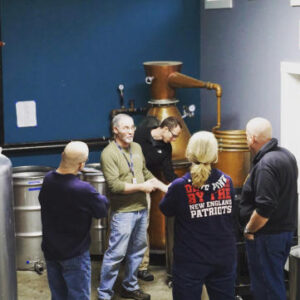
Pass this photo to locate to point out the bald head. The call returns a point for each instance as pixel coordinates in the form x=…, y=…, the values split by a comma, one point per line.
x=259, y=132
x=261, y=128
x=74, y=156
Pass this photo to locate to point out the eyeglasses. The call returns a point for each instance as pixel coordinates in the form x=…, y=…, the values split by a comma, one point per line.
x=127, y=128
x=174, y=136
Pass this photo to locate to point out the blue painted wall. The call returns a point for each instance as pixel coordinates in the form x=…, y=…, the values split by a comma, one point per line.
x=71, y=55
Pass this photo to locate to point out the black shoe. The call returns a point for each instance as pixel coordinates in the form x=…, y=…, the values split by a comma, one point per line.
x=137, y=295
x=145, y=275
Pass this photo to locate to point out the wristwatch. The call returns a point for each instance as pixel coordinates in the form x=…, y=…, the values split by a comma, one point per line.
x=247, y=231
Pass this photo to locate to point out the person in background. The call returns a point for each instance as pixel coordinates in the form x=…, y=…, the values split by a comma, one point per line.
x=157, y=149
x=128, y=181
x=202, y=202
x=268, y=210
x=67, y=208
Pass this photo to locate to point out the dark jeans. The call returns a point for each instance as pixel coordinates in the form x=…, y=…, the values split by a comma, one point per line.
x=219, y=281
x=267, y=255
x=70, y=279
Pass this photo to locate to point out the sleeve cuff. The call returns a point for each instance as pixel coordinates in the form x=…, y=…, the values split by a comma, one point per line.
x=264, y=211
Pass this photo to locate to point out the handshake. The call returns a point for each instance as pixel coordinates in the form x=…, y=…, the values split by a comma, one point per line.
x=152, y=185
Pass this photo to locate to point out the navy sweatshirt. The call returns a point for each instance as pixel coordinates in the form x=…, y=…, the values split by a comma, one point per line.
x=204, y=223
x=67, y=207
x=271, y=189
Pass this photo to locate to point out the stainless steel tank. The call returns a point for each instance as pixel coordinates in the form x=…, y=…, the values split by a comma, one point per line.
x=8, y=276
x=92, y=174
x=27, y=183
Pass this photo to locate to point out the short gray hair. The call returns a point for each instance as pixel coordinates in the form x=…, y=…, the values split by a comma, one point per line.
x=117, y=118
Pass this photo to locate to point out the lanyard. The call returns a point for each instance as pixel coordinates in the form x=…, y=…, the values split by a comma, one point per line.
x=130, y=164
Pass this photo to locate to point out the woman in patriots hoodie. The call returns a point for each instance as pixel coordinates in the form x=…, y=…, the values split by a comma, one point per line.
x=204, y=240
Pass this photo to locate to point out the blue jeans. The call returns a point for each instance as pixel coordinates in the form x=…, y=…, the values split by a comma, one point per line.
x=267, y=255
x=219, y=280
x=70, y=279
x=127, y=238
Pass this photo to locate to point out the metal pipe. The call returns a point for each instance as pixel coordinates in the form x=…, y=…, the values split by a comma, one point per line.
x=24, y=148
x=101, y=142
x=179, y=80
x=121, y=89
x=168, y=77
x=130, y=110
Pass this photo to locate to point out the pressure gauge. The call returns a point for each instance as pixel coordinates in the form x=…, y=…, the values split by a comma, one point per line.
x=192, y=108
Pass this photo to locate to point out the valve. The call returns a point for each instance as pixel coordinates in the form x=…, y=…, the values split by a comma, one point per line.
x=38, y=266
x=188, y=111
x=121, y=89
x=149, y=79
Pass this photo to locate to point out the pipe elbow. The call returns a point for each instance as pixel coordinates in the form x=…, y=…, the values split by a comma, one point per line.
x=217, y=87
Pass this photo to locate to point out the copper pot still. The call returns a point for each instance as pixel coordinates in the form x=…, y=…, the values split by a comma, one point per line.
x=164, y=77
x=234, y=157
x=163, y=101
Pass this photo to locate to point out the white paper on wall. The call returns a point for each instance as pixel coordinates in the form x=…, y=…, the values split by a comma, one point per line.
x=26, y=113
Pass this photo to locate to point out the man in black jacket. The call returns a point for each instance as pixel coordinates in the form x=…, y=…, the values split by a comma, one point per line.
x=157, y=149
x=268, y=210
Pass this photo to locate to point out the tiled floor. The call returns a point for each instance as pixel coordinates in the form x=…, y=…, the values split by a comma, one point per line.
x=32, y=286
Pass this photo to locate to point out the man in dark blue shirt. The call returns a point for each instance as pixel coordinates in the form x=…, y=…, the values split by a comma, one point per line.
x=268, y=210
x=67, y=208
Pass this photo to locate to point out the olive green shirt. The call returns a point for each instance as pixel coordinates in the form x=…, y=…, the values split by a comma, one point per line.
x=117, y=172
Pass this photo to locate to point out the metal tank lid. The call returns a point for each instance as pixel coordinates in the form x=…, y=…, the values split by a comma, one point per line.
x=92, y=169
x=30, y=171
x=96, y=166
x=162, y=63
x=91, y=172
x=92, y=175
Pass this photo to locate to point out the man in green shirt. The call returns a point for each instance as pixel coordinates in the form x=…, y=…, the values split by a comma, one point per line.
x=128, y=181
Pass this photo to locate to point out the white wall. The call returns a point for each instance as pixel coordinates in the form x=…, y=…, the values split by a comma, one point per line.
x=241, y=49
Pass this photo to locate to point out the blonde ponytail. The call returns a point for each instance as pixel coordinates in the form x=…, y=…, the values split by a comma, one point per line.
x=200, y=173
x=202, y=151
